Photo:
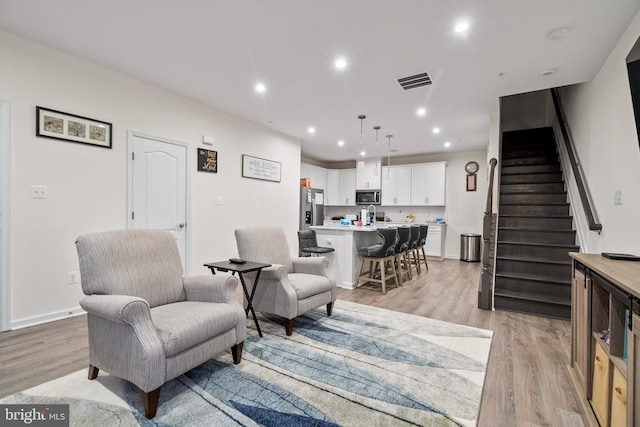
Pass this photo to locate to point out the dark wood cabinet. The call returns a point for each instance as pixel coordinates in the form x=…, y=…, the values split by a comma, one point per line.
x=605, y=342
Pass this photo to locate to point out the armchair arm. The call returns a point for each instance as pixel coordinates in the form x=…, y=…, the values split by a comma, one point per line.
x=211, y=288
x=123, y=340
x=275, y=272
x=311, y=265
x=117, y=308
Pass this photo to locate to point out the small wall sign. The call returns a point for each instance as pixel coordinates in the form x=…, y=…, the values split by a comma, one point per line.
x=207, y=160
x=257, y=168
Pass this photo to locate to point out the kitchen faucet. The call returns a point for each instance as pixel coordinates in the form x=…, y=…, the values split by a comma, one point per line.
x=373, y=218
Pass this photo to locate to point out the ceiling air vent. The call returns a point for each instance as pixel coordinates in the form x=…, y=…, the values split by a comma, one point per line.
x=412, y=82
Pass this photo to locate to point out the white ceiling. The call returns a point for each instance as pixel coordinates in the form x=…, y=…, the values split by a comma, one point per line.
x=215, y=51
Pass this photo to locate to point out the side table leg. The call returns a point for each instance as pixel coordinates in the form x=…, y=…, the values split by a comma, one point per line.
x=250, y=299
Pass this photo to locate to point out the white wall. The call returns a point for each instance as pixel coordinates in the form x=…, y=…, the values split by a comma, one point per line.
x=600, y=117
x=87, y=185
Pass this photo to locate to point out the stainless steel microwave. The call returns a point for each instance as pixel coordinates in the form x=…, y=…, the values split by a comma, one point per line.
x=367, y=197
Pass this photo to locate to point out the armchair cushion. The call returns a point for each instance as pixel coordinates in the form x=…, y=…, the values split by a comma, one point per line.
x=307, y=285
x=183, y=325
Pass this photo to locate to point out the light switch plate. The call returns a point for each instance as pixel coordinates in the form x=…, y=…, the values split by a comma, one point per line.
x=617, y=197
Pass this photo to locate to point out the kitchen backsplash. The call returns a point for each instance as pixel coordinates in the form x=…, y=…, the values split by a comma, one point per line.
x=395, y=214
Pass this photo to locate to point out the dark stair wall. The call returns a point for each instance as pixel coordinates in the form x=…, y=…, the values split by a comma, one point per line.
x=535, y=228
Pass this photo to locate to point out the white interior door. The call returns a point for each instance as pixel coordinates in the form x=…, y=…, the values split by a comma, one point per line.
x=159, y=187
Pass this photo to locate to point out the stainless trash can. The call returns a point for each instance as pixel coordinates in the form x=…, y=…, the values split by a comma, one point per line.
x=470, y=247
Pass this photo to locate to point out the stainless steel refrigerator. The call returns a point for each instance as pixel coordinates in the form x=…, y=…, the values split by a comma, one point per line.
x=311, y=207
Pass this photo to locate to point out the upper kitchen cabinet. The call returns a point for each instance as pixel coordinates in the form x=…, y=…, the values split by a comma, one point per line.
x=316, y=174
x=396, y=185
x=428, y=184
x=368, y=174
x=341, y=187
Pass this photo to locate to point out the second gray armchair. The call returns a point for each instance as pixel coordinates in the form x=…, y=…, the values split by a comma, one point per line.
x=291, y=286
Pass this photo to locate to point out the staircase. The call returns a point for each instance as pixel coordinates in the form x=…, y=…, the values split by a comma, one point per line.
x=535, y=234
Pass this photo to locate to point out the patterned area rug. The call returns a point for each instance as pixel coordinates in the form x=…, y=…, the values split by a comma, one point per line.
x=361, y=366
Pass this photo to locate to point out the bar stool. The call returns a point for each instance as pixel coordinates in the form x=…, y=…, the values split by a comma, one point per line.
x=308, y=244
x=413, y=248
x=383, y=254
x=422, y=241
x=402, y=261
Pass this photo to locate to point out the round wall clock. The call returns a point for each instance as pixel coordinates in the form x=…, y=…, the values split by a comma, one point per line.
x=471, y=167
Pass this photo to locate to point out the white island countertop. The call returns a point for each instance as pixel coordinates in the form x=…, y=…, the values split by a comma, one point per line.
x=374, y=227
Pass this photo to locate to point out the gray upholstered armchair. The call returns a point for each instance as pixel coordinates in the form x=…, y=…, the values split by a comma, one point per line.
x=148, y=324
x=291, y=286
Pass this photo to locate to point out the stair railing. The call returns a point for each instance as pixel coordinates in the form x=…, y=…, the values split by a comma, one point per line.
x=485, y=288
x=583, y=189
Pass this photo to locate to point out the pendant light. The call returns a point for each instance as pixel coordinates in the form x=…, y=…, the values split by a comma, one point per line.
x=376, y=128
x=361, y=117
x=389, y=155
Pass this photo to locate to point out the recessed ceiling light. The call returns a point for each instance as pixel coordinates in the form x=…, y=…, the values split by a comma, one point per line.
x=548, y=72
x=341, y=143
x=461, y=27
x=447, y=144
x=311, y=129
x=421, y=111
x=260, y=88
x=362, y=153
x=436, y=130
x=340, y=63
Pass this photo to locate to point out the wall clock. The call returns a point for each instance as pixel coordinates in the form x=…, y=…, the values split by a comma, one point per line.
x=471, y=167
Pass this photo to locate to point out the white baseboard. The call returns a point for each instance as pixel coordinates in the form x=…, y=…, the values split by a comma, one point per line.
x=45, y=318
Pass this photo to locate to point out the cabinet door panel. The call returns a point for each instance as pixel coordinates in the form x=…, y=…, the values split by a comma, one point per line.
x=580, y=327
x=396, y=186
x=332, y=192
x=347, y=195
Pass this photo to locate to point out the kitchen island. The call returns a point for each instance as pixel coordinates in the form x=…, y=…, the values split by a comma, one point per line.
x=344, y=262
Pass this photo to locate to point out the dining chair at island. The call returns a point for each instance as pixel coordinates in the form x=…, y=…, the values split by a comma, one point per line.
x=292, y=286
x=413, y=255
x=422, y=241
x=402, y=254
x=147, y=323
x=380, y=257
x=308, y=244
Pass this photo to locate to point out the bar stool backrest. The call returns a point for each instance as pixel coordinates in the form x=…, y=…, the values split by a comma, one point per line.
x=404, y=236
x=423, y=235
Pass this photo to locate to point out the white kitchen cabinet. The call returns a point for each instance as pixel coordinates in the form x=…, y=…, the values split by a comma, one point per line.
x=368, y=174
x=332, y=191
x=428, y=184
x=341, y=187
x=347, y=190
x=396, y=186
x=316, y=174
x=434, y=245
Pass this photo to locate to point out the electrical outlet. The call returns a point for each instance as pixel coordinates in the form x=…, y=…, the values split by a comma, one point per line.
x=72, y=277
x=39, y=192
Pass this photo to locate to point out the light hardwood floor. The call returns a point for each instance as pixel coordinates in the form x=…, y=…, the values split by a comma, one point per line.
x=527, y=382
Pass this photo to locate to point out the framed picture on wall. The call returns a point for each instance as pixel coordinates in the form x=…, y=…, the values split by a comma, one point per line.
x=69, y=127
x=472, y=181
x=207, y=160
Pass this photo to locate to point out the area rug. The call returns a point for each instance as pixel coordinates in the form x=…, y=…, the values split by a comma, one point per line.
x=363, y=366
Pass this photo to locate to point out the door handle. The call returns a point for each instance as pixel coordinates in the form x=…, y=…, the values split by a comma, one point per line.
x=182, y=225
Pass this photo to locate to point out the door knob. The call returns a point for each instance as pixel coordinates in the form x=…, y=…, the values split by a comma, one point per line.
x=183, y=225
